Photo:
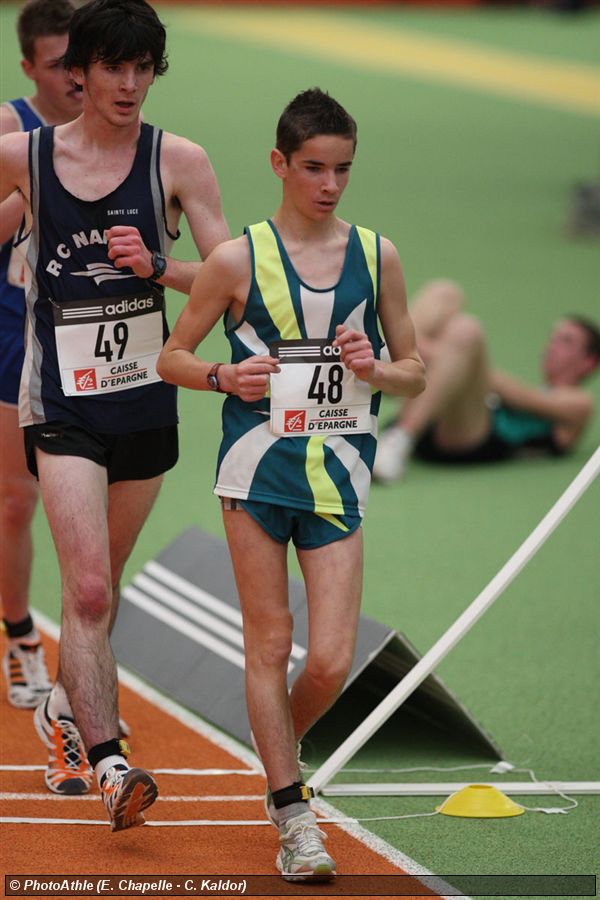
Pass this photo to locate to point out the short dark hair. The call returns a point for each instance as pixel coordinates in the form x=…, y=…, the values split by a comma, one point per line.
x=311, y=113
x=592, y=333
x=115, y=31
x=40, y=18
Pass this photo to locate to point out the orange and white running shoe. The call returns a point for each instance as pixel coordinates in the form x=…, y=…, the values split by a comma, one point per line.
x=68, y=770
x=126, y=792
x=26, y=674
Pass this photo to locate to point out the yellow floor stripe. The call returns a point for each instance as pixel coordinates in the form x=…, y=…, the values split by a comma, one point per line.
x=330, y=36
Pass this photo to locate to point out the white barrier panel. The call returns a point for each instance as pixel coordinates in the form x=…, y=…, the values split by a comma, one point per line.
x=457, y=631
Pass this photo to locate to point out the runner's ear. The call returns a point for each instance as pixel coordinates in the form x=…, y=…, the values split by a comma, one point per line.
x=77, y=76
x=278, y=162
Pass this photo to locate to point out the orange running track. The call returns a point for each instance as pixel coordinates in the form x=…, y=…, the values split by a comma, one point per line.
x=45, y=845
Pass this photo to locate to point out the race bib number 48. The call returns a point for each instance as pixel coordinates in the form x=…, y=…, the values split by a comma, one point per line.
x=108, y=346
x=314, y=393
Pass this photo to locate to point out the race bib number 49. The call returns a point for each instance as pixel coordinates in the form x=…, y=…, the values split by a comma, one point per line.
x=106, y=346
x=314, y=393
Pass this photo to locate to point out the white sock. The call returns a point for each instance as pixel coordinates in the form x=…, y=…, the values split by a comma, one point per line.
x=291, y=811
x=107, y=763
x=58, y=703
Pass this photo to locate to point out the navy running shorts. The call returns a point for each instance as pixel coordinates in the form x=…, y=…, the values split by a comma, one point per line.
x=491, y=449
x=126, y=457
x=306, y=529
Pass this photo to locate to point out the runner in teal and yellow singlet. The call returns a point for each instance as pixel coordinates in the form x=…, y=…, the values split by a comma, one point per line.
x=302, y=295
x=316, y=471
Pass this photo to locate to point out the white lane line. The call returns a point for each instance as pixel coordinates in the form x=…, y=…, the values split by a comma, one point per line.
x=173, y=798
x=28, y=820
x=192, y=772
x=244, y=754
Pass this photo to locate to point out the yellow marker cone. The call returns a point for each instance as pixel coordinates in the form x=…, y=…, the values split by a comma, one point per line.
x=480, y=801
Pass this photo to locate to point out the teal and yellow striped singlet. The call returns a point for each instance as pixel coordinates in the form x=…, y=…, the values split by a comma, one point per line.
x=326, y=474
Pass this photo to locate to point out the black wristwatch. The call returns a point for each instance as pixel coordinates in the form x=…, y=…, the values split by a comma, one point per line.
x=212, y=379
x=159, y=266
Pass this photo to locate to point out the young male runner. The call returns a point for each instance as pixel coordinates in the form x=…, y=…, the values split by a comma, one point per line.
x=100, y=194
x=302, y=294
x=42, y=28
x=472, y=413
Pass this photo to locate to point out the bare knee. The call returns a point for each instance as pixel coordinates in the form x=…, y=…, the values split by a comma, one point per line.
x=17, y=502
x=329, y=670
x=438, y=300
x=446, y=292
x=269, y=644
x=90, y=598
x=466, y=332
x=436, y=304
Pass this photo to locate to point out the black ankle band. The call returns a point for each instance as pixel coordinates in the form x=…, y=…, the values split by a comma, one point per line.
x=294, y=793
x=114, y=747
x=19, y=629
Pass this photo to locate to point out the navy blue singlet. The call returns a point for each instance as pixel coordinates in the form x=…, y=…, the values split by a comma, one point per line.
x=93, y=331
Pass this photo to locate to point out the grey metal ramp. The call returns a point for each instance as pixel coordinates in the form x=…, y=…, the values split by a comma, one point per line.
x=180, y=628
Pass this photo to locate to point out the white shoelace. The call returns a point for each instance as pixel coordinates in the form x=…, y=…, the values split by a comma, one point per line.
x=72, y=743
x=308, y=837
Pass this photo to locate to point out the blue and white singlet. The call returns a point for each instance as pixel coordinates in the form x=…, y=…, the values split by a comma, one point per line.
x=12, y=296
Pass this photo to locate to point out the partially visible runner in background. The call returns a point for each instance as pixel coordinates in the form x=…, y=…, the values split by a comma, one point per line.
x=471, y=413
x=42, y=28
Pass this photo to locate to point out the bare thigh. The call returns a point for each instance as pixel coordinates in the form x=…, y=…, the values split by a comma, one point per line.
x=129, y=505
x=75, y=496
x=260, y=566
x=14, y=474
x=18, y=499
x=463, y=366
x=333, y=579
x=434, y=305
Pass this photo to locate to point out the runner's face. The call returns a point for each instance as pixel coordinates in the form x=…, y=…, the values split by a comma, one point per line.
x=116, y=91
x=317, y=174
x=54, y=85
x=566, y=357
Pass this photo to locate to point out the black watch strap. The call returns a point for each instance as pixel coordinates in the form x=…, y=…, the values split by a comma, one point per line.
x=159, y=265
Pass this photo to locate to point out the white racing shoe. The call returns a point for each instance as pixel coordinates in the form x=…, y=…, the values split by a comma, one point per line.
x=394, y=447
x=26, y=674
x=302, y=856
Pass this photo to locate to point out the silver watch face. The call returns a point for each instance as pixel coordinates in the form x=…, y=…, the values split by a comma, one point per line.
x=213, y=382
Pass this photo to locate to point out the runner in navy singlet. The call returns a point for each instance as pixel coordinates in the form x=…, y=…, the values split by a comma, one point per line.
x=42, y=28
x=103, y=196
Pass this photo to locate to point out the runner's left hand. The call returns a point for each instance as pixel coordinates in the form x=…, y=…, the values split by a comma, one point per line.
x=126, y=248
x=356, y=350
